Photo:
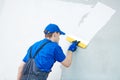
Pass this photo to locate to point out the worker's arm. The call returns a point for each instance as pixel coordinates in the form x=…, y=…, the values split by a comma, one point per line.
x=68, y=60
x=20, y=69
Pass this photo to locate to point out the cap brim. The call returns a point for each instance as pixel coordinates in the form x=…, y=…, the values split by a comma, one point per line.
x=62, y=33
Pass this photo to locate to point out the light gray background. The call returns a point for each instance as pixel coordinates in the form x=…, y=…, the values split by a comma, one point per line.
x=100, y=60
x=20, y=27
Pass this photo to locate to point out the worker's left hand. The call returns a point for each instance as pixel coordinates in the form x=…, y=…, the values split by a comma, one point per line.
x=73, y=46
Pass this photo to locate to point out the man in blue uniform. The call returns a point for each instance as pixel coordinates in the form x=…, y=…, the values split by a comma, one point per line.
x=50, y=53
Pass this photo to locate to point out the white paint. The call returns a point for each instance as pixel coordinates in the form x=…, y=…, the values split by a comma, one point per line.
x=95, y=20
x=82, y=21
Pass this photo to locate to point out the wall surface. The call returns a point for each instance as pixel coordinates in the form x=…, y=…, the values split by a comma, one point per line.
x=21, y=24
x=100, y=60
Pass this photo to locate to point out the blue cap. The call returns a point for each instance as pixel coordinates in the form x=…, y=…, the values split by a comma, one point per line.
x=51, y=28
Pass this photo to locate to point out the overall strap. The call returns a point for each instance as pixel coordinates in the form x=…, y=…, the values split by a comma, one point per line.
x=38, y=49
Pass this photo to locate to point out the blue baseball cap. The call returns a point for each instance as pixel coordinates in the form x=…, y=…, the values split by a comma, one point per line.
x=51, y=28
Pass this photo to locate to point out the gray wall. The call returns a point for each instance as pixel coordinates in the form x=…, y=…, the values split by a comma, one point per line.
x=100, y=60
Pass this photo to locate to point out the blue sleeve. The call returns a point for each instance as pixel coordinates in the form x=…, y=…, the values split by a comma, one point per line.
x=59, y=55
x=27, y=56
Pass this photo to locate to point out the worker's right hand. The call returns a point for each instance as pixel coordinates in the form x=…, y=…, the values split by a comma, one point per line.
x=73, y=46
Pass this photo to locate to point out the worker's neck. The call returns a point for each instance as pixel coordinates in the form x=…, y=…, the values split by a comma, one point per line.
x=50, y=39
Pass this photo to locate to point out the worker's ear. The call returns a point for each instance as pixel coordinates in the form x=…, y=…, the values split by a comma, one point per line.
x=54, y=34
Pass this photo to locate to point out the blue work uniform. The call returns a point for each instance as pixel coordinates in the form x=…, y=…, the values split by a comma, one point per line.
x=47, y=56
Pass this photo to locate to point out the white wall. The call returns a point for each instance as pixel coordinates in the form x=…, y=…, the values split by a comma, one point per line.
x=19, y=27
x=21, y=24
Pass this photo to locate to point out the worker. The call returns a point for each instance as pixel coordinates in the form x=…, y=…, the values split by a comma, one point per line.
x=50, y=53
